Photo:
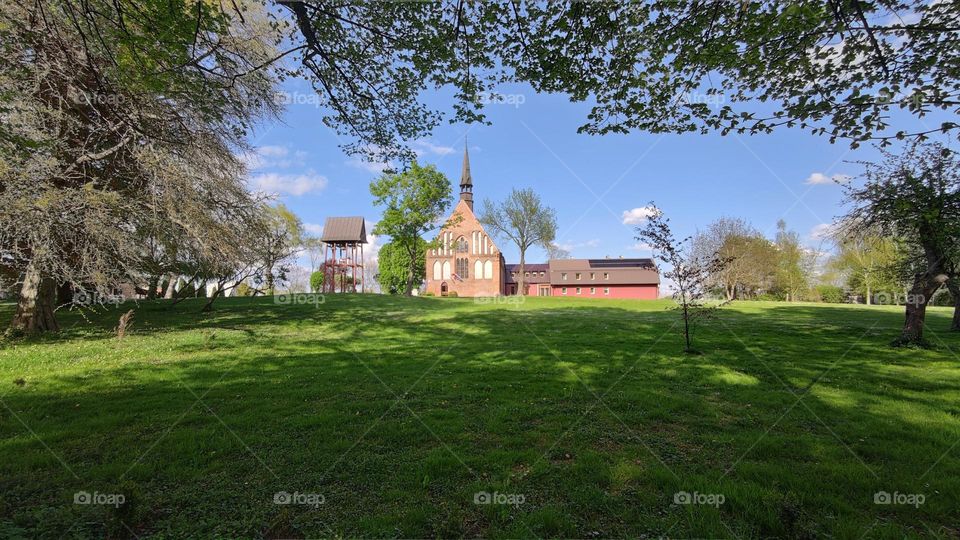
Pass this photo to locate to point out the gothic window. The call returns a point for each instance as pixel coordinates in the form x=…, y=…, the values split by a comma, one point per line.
x=463, y=268
x=462, y=245
x=488, y=270
x=477, y=269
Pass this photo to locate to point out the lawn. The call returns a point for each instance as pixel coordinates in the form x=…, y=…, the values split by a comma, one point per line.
x=376, y=416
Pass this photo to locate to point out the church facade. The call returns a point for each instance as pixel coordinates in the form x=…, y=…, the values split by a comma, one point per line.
x=467, y=262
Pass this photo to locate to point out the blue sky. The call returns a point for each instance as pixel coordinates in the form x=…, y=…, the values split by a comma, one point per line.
x=593, y=182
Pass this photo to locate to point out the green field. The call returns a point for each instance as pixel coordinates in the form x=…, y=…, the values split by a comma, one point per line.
x=390, y=415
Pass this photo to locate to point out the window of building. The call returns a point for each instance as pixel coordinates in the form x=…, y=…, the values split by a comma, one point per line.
x=541, y=274
x=563, y=290
x=606, y=275
x=593, y=290
x=526, y=274
x=578, y=290
x=563, y=276
x=462, y=245
x=463, y=268
x=606, y=290
x=578, y=276
x=593, y=275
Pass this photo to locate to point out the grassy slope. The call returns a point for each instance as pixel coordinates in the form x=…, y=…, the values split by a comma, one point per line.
x=200, y=419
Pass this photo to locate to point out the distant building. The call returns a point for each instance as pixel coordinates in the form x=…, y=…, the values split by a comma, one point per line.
x=468, y=263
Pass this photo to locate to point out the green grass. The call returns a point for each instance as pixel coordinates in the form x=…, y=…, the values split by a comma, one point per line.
x=398, y=411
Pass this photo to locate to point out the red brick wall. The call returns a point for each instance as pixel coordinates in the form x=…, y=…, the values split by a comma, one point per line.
x=480, y=247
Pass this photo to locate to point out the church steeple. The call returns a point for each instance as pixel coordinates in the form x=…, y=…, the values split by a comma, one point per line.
x=466, y=181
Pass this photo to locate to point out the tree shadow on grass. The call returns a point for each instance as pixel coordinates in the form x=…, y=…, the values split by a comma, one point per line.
x=400, y=419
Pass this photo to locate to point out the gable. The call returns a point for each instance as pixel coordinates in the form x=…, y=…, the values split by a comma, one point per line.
x=469, y=227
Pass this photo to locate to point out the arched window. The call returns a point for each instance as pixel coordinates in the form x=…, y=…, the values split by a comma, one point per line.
x=463, y=268
x=446, y=269
x=488, y=270
x=436, y=270
x=477, y=269
x=462, y=245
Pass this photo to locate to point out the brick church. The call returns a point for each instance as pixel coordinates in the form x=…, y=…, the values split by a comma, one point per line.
x=468, y=263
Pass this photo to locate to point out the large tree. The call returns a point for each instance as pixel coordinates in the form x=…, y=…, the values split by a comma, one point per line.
x=837, y=68
x=870, y=263
x=523, y=219
x=752, y=257
x=118, y=116
x=394, y=264
x=914, y=195
x=415, y=202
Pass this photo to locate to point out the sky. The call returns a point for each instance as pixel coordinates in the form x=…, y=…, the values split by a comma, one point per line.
x=598, y=185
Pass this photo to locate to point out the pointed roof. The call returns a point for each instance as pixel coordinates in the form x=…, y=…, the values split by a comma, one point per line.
x=344, y=229
x=465, y=178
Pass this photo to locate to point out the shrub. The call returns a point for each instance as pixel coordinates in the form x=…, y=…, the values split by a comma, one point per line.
x=831, y=294
x=243, y=289
x=316, y=281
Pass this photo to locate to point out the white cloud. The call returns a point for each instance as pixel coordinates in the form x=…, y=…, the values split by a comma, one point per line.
x=423, y=146
x=638, y=215
x=823, y=231
x=273, y=156
x=313, y=228
x=292, y=184
x=820, y=178
x=571, y=246
x=374, y=167
x=641, y=246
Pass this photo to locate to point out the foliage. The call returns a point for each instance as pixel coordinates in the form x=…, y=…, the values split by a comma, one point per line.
x=914, y=196
x=394, y=266
x=870, y=264
x=831, y=294
x=659, y=66
x=243, y=289
x=752, y=257
x=794, y=264
x=690, y=275
x=121, y=122
x=316, y=281
x=414, y=201
x=523, y=219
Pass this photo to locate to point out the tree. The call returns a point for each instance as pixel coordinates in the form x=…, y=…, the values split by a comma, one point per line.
x=316, y=281
x=394, y=264
x=914, y=195
x=554, y=251
x=414, y=202
x=870, y=263
x=523, y=219
x=281, y=243
x=118, y=117
x=792, y=276
x=752, y=257
x=690, y=275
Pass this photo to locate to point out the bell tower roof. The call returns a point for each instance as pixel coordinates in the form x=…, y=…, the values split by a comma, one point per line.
x=466, y=180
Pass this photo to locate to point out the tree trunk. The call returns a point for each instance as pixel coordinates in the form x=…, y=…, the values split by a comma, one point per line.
x=65, y=293
x=410, y=275
x=171, y=286
x=869, y=298
x=521, y=283
x=269, y=277
x=954, y=287
x=924, y=285
x=35, y=309
x=216, y=294
x=152, y=287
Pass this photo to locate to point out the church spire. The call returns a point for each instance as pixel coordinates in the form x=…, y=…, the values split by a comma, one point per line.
x=466, y=181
